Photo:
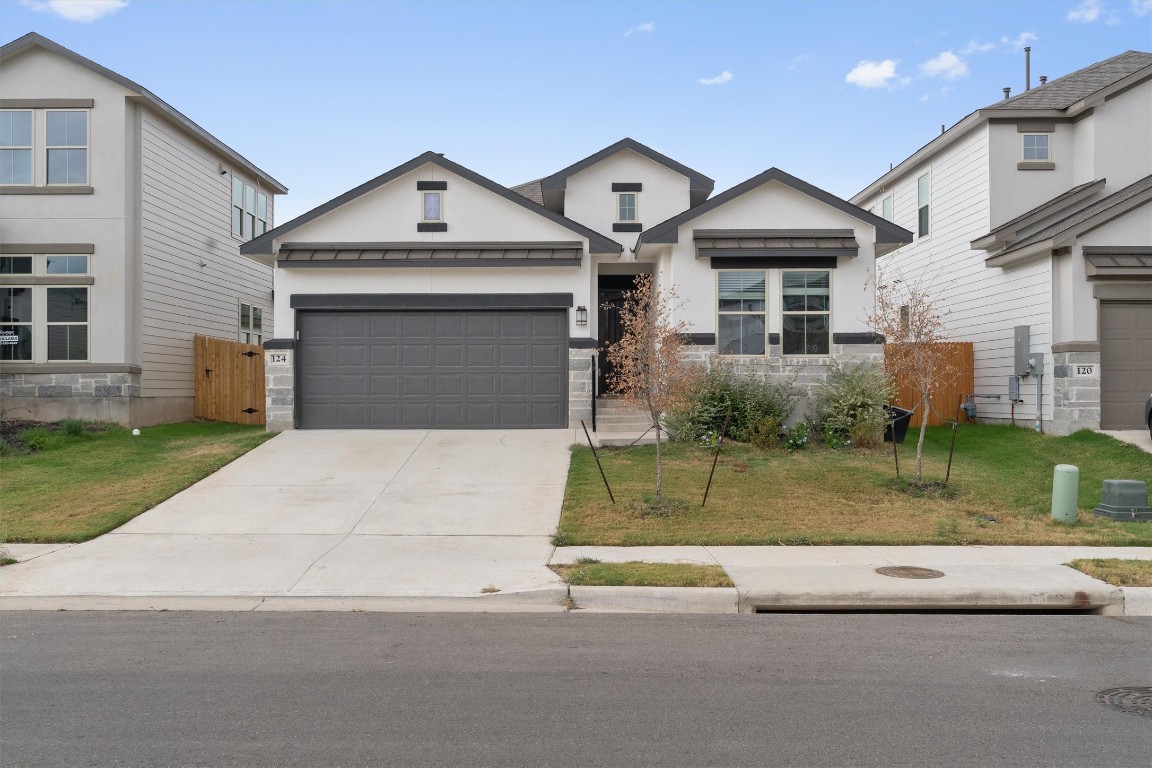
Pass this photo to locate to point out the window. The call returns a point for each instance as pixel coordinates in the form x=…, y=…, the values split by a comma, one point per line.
x=249, y=210
x=432, y=209
x=66, y=142
x=15, y=147
x=1036, y=147
x=44, y=322
x=626, y=207
x=886, y=208
x=807, y=313
x=741, y=307
x=251, y=324
x=922, y=195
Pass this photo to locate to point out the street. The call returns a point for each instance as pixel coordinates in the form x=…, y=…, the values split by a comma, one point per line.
x=372, y=689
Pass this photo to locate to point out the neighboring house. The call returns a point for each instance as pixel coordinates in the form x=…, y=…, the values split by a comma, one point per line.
x=1035, y=212
x=431, y=296
x=120, y=227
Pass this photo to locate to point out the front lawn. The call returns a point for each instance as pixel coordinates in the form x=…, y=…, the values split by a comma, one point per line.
x=593, y=573
x=1000, y=493
x=76, y=488
x=1120, y=573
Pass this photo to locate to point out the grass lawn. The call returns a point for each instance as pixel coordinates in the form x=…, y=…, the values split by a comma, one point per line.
x=1120, y=573
x=1000, y=493
x=597, y=574
x=77, y=488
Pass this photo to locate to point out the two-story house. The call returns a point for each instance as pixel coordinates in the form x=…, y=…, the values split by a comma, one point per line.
x=1033, y=226
x=120, y=227
x=432, y=296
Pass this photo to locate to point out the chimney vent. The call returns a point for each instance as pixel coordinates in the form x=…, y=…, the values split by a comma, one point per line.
x=1027, y=67
x=1007, y=92
x=1043, y=79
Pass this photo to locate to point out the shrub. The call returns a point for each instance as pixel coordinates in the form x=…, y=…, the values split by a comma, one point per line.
x=797, y=437
x=73, y=427
x=849, y=406
x=35, y=439
x=743, y=401
x=765, y=433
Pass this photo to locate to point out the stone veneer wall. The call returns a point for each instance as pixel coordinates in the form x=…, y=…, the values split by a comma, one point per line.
x=579, y=385
x=1075, y=399
x=279, y=389
x=95, y=396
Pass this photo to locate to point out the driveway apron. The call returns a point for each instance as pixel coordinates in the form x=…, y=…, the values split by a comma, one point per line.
x=337, y=513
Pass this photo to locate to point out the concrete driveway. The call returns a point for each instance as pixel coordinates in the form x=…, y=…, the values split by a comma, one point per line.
x=323, y=514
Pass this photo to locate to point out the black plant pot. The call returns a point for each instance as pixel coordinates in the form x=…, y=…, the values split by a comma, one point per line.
x=898, y=420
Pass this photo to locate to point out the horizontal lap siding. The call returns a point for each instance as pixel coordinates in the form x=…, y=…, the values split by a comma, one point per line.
x=186, y=220
x=983, y=305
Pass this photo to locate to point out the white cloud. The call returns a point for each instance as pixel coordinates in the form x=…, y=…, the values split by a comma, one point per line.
x=947, y=65
x=646, y=28
x=975, y=47
x=876, y=74
x=76, y=10
x=720, y=79
x=804, y=58
x=1087, y=12
x=1019, y=42
x=1141, y=7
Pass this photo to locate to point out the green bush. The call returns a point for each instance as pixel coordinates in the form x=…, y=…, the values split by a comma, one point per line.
x=796, y=439
x=849, y=406
x=35, y=439
x=745, y=402
x=74, y=427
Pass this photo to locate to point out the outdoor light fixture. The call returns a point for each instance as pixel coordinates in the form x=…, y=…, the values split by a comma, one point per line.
x=581, y=315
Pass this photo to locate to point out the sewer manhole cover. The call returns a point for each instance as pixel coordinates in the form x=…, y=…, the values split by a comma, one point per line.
x=1135, y=701
x=909, y=572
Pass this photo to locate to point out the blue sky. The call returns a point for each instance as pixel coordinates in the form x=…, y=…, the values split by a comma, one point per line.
x=325, y=94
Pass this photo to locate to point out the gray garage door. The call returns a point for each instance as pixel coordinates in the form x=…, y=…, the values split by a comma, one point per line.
x=442, y=369
x=1125, y=363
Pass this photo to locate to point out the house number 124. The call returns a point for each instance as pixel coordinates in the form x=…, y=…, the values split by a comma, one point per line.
x=279, y=358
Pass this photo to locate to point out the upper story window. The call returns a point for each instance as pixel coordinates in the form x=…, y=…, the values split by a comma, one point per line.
x=1037, y=147
x=41, y=147
x=626, y=207
x=741, y=308
x=249, y=210
x=886, y=208
x=432, y=206
x=807, y=315
x=923, y=195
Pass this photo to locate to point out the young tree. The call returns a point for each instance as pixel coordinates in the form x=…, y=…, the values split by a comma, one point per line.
x=648, y=370
x=909, y=317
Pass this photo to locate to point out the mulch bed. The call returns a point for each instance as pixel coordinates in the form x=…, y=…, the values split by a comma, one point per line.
x=10, y=430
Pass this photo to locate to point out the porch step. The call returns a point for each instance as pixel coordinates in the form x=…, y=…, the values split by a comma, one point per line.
x=623, y=419
x=625, y=437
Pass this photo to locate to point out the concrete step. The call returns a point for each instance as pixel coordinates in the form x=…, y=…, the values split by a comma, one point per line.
x=621, y=438
x=623, y=419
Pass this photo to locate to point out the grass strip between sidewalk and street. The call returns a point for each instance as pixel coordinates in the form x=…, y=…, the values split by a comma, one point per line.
x=1000, y=493
x=597, y=574
x=76, y=489
x=1117, y=572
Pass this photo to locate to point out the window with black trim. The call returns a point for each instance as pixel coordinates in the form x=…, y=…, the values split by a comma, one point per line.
x=807, y=313
x=741, y=304
x=923, y=195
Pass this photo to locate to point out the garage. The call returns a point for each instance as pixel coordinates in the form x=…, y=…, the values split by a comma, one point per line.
x=1125, y=362
x=432, y=368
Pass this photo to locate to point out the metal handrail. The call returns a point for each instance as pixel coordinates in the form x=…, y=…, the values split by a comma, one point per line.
x=594, y=380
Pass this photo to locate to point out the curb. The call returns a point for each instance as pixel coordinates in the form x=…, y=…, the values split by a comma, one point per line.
x=655, y=599
x=1137, y=601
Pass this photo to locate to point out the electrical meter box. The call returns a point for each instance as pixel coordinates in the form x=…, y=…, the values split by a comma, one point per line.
x=1022, y=347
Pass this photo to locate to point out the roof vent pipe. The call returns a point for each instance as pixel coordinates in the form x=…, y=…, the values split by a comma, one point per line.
x=1007, y=92
x=1043, y=79
x=1027, y=67
x=941, y=129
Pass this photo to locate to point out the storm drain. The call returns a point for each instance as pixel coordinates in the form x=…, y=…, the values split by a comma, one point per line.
x=909, y=572
x=1134, y=701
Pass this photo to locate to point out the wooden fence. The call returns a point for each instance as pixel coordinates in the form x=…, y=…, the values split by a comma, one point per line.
x=229, y=380
x=946, y=399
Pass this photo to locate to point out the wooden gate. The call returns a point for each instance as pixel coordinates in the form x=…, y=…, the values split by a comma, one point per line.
x=229, y=380
x=945, y=400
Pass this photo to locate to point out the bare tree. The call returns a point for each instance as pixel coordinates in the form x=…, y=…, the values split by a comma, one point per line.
x=909, y=317
x=648, y=370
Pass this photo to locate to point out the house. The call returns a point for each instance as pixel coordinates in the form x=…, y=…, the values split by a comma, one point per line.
x=120, y=227
x=1034, y=226
x=432, y=296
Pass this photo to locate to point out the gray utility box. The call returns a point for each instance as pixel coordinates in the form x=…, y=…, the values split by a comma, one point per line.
x=1022, y=346
x=1124, y=500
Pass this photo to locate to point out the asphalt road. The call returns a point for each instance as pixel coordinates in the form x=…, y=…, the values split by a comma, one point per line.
x=364, y=689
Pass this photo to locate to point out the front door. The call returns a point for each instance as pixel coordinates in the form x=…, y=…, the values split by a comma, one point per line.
x=611, y=300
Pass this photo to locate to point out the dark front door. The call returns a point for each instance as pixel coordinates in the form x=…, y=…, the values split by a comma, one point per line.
x=611, y=299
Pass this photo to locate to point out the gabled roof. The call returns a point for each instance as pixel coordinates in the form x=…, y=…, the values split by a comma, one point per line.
x=1063, y=97
x=597, y=243
x=1076, y=224
x=700, y=186
x=1008, y=229
x=668, y=231
x=32, y=39
x=530, y=190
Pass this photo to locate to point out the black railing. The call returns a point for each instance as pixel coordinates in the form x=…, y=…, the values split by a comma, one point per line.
x=594, y=380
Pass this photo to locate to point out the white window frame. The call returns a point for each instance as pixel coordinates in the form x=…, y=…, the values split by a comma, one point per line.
x=784, y=313
x=245, y=333
x=620, y=207
x=31, y=148
x=251, y=223
x=424, y=195
x=887, y=206
x=30, y=324
x=86, y=324
x=87, y=147
x=763, y=313
x=924, y=206
x=39, y=323
x=1047, y=148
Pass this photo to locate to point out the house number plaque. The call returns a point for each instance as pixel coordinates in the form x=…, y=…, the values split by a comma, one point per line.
x=278, y=358
x=1084, y=370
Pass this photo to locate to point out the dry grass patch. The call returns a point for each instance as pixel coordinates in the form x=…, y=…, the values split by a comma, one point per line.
x=1120, y=573
x=634, y=574
x=1000, y=493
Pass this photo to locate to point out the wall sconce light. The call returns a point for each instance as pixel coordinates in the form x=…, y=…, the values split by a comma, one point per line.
x=581, y=316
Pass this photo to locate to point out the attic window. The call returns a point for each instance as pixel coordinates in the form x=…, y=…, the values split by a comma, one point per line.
x=432, y=206
x=1036, y=147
